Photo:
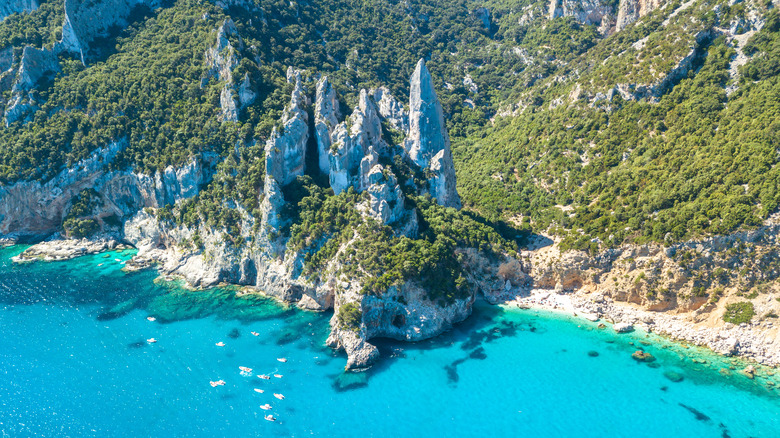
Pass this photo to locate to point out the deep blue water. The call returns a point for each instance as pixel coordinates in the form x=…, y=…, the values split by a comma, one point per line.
x=74, y=361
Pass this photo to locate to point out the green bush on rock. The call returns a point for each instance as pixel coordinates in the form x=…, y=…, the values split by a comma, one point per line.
x=737, y=313
x=350, y=316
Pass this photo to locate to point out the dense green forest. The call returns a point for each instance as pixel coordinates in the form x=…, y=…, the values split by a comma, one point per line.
x=531, y=144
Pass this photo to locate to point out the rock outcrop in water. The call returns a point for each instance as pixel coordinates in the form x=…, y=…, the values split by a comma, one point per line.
x=359, y=159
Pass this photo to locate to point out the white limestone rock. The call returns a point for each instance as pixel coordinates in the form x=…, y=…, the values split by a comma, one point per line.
x=8, y=7
x=588, y=12
x=632, y=10
x=391, y=109
x=428, y=144
x=326, y=117
x=285, y=150
x=351, y=142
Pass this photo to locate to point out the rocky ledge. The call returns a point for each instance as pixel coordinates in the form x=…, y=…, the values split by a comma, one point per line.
x=53, y=250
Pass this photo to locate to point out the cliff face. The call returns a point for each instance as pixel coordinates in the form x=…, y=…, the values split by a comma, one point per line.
x=9, y=7
x=354, y=148
x=326, y=117
x=286, y=149
x=428, y=143
x=84, y=21
x=222, y=58
x=588, y=12
x=632, y=10
x=32, y=208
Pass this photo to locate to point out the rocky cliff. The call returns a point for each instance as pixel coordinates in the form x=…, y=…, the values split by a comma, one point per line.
x=37, y=209
x=428, y=143
x=589, y=12
x=84, y=21
x=16, y=6
x=632, y=10
x=267, y=261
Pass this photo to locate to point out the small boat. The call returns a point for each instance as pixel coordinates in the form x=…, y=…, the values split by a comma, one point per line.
x=265, y=407
x=220, y=344
x=264, y=376
x=282, y=359
x=151, y=340
x=270, y=417
x=151, y=318
x=100, y=264
x=255, y=333
x=279, y=396
x=278, y=376
x=259, y=390
x=214, y=384
x=245, y=369
x=117, y=260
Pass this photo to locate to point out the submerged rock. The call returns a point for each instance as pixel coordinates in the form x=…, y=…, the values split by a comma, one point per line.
x=642, y=356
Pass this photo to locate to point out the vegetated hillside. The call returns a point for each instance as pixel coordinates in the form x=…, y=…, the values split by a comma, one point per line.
x=595, y=154
x=603, y=131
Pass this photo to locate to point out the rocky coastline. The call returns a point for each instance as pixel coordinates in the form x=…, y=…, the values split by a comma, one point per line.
x=753, y=342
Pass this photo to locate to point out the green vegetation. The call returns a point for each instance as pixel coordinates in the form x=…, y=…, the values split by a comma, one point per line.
x=40, y=28
x=350, y=316
x=737, y=313
x=76, y=225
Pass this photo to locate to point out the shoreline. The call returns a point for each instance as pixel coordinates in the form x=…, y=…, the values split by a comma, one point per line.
x=748, y=341
x=726, y=341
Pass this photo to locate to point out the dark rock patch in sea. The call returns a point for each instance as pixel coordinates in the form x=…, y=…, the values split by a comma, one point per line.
x=108, y=316
x=349, y=380
x=288, y=336
x=234, y=334
x=452, y=374
x=137, y=344
x=592, y=353
x=696, y=413
x=479, y=354
x=673, y=376
x=724, y=431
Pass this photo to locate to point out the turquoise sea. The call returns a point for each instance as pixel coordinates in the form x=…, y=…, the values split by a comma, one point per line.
x=75, y=361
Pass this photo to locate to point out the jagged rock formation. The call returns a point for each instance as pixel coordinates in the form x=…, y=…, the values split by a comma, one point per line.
x=84, y=21
x=285, y=150
x=391, y=109
x=350, y=143
x=221, y=59
x=326, y=117
x=589, y=12
x=632, y=10
x=428, y=143
x=354, y=148
x=9, y=7
x=32, y=208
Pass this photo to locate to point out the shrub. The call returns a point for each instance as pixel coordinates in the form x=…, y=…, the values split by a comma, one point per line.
x=737, y=313
x=350, y=316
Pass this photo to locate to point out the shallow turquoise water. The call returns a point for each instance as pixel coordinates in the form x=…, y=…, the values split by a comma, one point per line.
x=74, y=361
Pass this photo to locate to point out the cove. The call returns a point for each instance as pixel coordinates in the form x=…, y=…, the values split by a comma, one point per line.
x=75, y=360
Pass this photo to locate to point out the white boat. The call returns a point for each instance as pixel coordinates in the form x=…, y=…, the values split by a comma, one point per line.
x=279, y=396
